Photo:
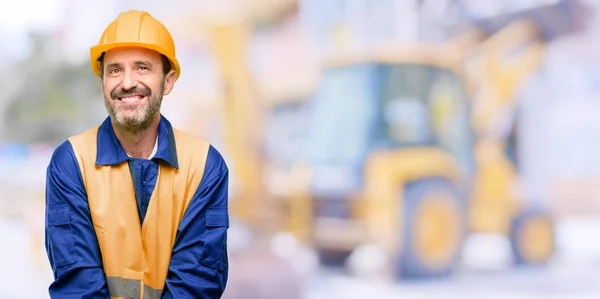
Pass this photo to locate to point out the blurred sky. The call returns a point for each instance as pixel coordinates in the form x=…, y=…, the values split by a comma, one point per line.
x=18, y=17
x=90, y=17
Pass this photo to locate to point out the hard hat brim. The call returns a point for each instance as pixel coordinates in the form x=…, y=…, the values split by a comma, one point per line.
x=96, y=52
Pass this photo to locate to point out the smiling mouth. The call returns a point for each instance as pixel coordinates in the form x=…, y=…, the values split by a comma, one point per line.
x=131, y=99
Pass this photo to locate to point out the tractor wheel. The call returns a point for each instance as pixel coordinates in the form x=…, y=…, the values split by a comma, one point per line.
x=532, y=238
x=434, y=226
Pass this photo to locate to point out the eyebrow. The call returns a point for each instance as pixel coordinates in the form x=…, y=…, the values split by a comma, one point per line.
x=114, y=64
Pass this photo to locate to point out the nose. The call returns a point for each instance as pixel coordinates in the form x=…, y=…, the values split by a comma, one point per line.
x=129, y=80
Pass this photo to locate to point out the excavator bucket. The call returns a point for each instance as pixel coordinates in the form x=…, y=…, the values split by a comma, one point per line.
x=562, y=17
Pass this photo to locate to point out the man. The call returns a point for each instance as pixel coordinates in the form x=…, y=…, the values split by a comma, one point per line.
x=135, y=208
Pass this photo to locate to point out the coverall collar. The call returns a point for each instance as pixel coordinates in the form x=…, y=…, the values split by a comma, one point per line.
x=110, y=151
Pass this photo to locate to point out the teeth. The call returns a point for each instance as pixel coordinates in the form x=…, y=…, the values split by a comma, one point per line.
x=131, y=99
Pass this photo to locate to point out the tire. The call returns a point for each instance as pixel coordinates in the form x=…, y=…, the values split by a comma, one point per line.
x=532, y=238
x=434, y=226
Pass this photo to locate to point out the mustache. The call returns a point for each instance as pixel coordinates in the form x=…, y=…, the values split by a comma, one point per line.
x=140, y=90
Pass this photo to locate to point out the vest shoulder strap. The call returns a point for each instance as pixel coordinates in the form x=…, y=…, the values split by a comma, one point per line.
x=85, y=149
x=192, y=153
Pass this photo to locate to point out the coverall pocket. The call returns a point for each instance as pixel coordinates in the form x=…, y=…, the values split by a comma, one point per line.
x=214, y=253
x=60, y=236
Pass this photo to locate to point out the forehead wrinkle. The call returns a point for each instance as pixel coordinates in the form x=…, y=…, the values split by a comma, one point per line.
x=142, y=62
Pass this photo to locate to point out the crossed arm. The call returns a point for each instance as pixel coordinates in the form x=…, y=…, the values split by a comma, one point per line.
x=199, y=267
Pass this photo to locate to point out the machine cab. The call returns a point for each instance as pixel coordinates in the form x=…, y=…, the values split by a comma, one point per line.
x=384, y=103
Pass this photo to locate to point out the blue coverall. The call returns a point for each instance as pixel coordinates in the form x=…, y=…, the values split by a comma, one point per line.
x=189, y=276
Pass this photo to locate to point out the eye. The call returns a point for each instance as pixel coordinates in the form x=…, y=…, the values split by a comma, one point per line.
x=143, y=68
x=113, y=71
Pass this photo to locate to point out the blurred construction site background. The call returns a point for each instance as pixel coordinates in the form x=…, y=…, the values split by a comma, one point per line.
x=378, y=148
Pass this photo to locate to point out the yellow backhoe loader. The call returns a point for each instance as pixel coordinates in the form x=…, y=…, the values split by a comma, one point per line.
x=406, y=152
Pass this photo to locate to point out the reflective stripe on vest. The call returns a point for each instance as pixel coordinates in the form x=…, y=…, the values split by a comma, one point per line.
x=130, y=288
x=135, y=256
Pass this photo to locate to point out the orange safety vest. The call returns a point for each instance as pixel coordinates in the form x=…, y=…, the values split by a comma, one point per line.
x=136, y=259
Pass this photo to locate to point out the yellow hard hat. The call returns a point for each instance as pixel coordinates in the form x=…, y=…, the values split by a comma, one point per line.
x=135, y=29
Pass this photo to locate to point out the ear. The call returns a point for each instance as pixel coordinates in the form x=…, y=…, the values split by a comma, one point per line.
x=169, y=82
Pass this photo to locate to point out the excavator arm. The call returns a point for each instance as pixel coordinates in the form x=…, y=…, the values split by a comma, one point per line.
x=240, y=108
x=229, y=31
x=513, y=48
x=503, y=62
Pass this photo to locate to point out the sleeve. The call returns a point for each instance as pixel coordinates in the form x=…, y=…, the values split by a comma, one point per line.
x=71, y=242
x=199, y=264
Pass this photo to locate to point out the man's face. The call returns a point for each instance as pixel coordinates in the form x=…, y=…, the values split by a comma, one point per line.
x=133, y=85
